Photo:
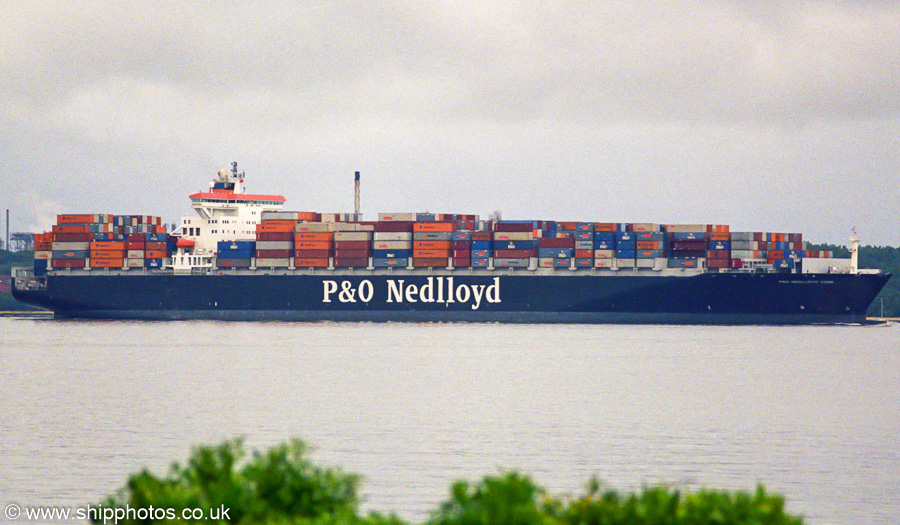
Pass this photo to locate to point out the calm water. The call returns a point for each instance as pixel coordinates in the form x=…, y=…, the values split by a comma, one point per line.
x=813, y=413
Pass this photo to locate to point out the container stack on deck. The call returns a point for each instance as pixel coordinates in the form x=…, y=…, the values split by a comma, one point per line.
x=428, y=240
x=103, y=241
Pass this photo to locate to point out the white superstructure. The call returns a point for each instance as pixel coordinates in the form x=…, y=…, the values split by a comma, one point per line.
x=224, y=213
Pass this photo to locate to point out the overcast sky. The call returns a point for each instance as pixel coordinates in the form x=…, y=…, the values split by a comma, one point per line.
x=767, y=116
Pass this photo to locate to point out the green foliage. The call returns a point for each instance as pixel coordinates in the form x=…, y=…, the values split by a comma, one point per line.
x=282, y=487
x=665, y=506
x=279, y=486
x=9, y=259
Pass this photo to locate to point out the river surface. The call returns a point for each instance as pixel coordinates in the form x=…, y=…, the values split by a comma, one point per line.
x=811, y=412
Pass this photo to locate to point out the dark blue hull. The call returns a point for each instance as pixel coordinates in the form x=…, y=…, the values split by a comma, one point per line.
x=708, y=298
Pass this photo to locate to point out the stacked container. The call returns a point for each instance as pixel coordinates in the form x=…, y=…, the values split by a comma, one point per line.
x=513, y=244
x=352, y=245
x=432, y=242
x=392, y=243
x=235, y=254
x=605, y=244
x=718, y=252
x=275, y=242
x=482, y=248
x=313, y=244
x=461, y=245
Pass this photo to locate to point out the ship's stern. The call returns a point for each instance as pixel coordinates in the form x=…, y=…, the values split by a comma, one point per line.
x=30, y=288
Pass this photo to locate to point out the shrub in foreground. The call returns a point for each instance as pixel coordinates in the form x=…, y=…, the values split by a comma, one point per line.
x=281, y=486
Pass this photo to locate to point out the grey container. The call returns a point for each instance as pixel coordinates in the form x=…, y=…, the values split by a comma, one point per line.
x=584, y=245
x=392, y=236
x=400, y=262
x=274, y=245
x=627, y=263
x=66, y=246
x=741, y=245
x=432, y=236
x=741, y=236
x=71, y=254
x=391, y=245
x=353, y=236
x=511, y=263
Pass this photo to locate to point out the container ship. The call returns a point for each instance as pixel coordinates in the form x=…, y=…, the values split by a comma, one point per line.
x=244, y=257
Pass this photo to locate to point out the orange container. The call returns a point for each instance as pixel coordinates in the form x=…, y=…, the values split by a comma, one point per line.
x=720, y=236
x=107, y=254
x=155, y=245
x=155, y=254
x=314, y=236
x=313, y=245
x=647, y=245
x=431, y=245
x=431, y=254
x=107, y=263
x=311, y=263
x=584, y=254
x=566, y=225
x=776, y=254
x=275, y=226
x=108, y=245
x=309, y=216
x=605, y=227
x=71, y=228
x=40, y=246
x=74, y=219
x=482, y=236
x=433, y=227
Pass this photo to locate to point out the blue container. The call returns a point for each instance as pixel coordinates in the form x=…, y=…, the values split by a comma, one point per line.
x=390, y=262
x=70, y=254
x=479, y=262
x=650, y=236
x=688, y=235
x=160, y=237
x=624, y=236
x=584, y=236
x=424, y=217
x=236, y=254
x=794, y=254
x=172, y=244
x=584, y=227
x=512, y=245
x=604, y=245
x=482, y=245
x=223, y=246
x=584, y=263
x=461, y=236
x=784, y=264
x=605, y=237
x=682, y=262
x=719, y=245
x=153, y=263
x=623, y=245
x=626, y=254
x=391, y=254
x=556, y=252
x=649, y=254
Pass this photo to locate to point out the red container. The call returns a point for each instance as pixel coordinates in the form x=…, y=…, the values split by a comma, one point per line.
x=352, y=245
x=554, y=242
x=67, y=263
x=482, y=236
x=274, y=254
x=394, y=226
x=718, y=254
x=512, y=227
x=73, y=237
x=462, y=253
x=135, y=245
x=137, y=237
x=688, y=244
x=584, y=254
x=460, y=245
x=512, y=254
x=358, y=262
x=462, y=262
x=718, y=263
x=737, y=263
x=311, y=263
x=435, y=262
x=275, y=236
x=351, y=254
x=312, y=254
x=155, y=245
